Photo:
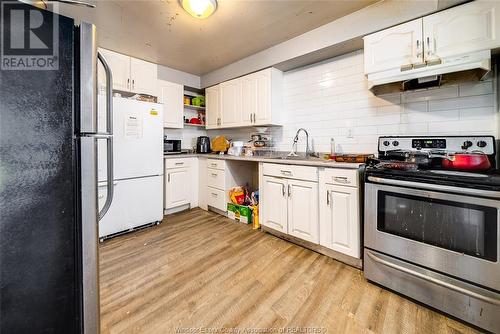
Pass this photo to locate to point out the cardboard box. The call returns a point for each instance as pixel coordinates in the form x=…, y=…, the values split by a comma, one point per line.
x=241, y=213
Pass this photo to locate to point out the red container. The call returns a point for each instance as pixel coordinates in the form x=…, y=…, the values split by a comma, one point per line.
x=467, y=161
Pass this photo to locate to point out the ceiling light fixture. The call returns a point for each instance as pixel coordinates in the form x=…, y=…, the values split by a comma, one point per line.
x=201, y=9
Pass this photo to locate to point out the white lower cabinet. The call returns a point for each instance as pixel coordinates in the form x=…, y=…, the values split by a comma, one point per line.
x=340, y=214
x=181, y=183
x=176, y=191
x=275, y=203
x=318, y=205
x=303, y=210
x=288, y=205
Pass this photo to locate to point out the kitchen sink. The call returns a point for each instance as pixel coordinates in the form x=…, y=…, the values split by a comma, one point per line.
x=287, y=157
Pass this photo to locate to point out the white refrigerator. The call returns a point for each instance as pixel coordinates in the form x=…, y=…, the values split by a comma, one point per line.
x=137, y=166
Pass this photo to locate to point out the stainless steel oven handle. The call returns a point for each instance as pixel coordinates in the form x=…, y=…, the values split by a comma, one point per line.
x=433, y=280
x=436, y=187
x=108, y=135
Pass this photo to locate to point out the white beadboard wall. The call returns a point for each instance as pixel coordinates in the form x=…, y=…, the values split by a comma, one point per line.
x=331, y=100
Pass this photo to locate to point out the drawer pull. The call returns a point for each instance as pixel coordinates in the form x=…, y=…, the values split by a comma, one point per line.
x=214, y=174
x=286, y=172
x=341, y=179
x=406, y=67
x=213, y=165
x=179, y=163
x=214, y=195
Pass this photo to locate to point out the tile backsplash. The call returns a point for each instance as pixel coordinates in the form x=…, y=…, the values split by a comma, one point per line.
x=331, y=99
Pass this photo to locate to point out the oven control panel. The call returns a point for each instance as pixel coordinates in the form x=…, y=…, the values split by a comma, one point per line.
x=485, y=144
x=435, y=143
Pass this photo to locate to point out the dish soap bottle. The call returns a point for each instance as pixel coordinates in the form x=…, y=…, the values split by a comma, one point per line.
x=332, y=148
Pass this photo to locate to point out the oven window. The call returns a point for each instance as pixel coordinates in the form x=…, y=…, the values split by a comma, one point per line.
x=460, y=227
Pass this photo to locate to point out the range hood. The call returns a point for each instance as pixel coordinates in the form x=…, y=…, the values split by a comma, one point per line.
x=469, y=67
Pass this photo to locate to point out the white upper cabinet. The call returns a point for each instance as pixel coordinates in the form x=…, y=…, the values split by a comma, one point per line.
x=131, y=74
x=252, y=100
x=212, y=102
x=268, y=100
x=396, y=47
x=249, y=106
x=231, y=103
x=471, y=27
x=120, y=68
x=171, y=96
x=143, y=76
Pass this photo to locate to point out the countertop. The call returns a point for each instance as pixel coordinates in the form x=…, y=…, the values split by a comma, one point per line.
x=309, y=162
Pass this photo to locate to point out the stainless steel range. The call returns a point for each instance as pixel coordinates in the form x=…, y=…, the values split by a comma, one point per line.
x=431, y=233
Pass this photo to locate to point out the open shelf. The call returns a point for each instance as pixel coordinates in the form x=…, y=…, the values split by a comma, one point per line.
x=188, y=106
x=195, y=125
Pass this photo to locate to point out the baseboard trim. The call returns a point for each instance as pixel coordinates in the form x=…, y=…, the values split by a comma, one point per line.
x=349, y=260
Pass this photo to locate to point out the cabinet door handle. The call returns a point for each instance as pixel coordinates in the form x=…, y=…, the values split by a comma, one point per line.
x=128, y=83
x=283, y=189
x=289, y=191
x=341, y=179
x=418, y=49
x=428, y=46
x=133, y=84
x=168, y=177
x=328, y=197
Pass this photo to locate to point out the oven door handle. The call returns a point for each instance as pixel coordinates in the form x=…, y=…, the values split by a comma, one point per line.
x=435, y=187
x=450, y=286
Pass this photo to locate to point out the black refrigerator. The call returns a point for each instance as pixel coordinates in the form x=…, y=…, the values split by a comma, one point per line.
x=48, y=173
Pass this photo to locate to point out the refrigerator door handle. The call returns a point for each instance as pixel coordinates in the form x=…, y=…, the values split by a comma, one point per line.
x=109, y=135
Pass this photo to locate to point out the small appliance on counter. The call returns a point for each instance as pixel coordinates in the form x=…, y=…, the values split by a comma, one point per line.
x=203, y=145
x=432, y=223
x=171, y=146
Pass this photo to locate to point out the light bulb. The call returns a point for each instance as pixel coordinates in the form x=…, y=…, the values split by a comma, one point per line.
x=199, y=8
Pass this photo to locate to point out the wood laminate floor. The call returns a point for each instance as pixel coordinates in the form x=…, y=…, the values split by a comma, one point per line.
x=199, y=272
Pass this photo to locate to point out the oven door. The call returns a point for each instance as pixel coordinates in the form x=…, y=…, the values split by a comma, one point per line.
x=454, y=234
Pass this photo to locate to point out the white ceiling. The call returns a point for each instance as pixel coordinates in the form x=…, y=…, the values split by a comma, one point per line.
x=161, y=31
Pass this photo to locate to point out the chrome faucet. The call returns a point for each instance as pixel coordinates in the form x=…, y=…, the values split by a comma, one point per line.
x=293, y=152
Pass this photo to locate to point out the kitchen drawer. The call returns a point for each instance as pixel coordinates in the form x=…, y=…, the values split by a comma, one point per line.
x=216, y=164
x=305, y=173
x=178, y=162
x=344, y=177
x=215, y=178
x=216, y=198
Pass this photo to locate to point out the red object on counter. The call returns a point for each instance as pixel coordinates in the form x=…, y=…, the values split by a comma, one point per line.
x=467, y=161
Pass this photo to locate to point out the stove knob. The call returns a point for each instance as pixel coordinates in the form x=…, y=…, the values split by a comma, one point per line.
x=395, y=143
x=386, y=143
x=466, y=144
x=481, y=143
